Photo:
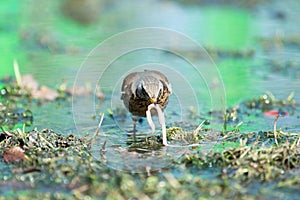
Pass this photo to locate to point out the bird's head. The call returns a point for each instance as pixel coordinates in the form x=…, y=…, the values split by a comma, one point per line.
x=149, y=88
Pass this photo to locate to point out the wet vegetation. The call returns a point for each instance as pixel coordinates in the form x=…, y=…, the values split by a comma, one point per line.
x=53, y=160
x=38, y=162
x=14, y=106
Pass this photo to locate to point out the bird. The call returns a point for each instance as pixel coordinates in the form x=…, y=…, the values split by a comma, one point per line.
x=141, y=89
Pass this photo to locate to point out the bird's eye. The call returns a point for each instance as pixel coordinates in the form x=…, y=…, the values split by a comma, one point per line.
x=159, y=93
x=140, y=91
x=140, y=87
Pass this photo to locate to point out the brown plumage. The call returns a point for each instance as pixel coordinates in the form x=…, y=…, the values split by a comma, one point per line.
x=140, y=89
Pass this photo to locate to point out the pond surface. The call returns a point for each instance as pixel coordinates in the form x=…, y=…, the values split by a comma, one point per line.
x=224, y=28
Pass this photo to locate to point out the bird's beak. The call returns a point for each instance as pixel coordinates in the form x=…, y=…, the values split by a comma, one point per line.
x=153, y=100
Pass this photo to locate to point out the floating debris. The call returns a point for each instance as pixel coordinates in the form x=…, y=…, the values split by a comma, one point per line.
x=14, y=154
x=265, y=104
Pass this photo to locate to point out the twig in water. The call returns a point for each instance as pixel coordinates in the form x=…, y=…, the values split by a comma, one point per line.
x=103, y=148
x=196, y=131
x=44, y=140
x=92, y=140
x=275, y=132
x=17, y=73
x=6, y=132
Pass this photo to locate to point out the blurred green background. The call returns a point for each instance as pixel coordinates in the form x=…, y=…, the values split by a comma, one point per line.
x=51, y=39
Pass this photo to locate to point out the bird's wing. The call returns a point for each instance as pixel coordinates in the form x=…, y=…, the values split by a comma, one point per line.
x=127, y=82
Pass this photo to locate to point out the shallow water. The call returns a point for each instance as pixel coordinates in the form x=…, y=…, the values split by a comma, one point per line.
x=222, y=27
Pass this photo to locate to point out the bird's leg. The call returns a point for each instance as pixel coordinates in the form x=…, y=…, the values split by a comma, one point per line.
x=134, y=118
